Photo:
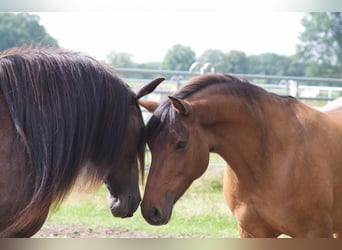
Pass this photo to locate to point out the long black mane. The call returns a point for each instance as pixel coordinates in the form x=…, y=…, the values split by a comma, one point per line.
x=67, y=109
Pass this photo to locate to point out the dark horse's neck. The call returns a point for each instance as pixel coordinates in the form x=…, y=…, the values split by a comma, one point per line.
x=245, y=126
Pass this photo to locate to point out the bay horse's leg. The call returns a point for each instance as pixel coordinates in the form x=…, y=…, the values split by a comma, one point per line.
x=242, y=213
x=244, y=234
x=258, y=232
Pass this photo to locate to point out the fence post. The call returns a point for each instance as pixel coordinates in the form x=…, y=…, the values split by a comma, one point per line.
x=293, y=88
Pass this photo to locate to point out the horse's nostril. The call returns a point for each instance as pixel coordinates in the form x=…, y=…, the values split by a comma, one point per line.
x=155, y=215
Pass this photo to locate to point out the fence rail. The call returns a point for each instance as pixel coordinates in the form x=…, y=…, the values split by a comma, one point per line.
x=316, y=91
x=304, y=88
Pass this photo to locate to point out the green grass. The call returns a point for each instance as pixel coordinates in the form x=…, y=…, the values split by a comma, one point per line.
x=201, y=212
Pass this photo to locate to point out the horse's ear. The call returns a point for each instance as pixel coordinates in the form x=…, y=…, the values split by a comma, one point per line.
x=149, y=87
x=183, y=107
x=149, y=105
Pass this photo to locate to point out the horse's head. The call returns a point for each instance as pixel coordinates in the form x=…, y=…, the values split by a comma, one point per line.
x=123, y=181
x=179, y=156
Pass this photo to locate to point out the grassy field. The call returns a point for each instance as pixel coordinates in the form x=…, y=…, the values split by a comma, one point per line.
x=201, y=212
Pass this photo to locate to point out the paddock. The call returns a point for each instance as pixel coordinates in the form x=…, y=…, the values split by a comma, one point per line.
x=85, y=215
x=216, y=166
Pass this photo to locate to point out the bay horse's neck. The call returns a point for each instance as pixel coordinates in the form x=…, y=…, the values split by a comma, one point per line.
x=245, y=131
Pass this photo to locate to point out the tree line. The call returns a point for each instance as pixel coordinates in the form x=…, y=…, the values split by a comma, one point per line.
x=23, y=29
x=319, y=53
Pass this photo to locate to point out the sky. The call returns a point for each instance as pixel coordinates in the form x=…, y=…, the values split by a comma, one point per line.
x=148, y=35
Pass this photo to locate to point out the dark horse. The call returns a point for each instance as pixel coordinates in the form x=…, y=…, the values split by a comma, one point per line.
x=285, y=158
x=64, y=115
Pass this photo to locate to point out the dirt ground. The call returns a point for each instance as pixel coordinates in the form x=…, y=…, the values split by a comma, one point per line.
x=81, y=231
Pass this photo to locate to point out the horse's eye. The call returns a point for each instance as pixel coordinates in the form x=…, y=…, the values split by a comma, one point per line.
x=180, y=145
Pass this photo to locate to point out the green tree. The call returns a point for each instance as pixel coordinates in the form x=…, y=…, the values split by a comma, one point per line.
x=148, y=65
x=231, y=62
x=296, y=66
x=120, y=60
x=215, y=57
x=269, y=64
x=236, y=62
x=124, y=60
x=23, y=29
x=321, y=44
x=179, y=57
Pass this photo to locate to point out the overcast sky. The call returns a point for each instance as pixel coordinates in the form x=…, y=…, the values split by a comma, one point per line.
x=147, y=35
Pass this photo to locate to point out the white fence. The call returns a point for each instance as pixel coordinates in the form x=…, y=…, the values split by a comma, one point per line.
x=315, y=91
x=304, y=88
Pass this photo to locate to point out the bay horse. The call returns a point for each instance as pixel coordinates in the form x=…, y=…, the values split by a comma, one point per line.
x=284, y=158
x=64, y=115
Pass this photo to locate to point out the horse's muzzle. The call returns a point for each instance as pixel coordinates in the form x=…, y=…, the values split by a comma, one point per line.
x=154, y=215
x=124, y=206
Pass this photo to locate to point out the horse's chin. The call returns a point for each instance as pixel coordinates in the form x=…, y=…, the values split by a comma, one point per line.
x=123, y=207
x=165, y=219
x=156, y=215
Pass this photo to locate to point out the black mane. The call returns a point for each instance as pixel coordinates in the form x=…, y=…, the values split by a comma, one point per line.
x=67, y=109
